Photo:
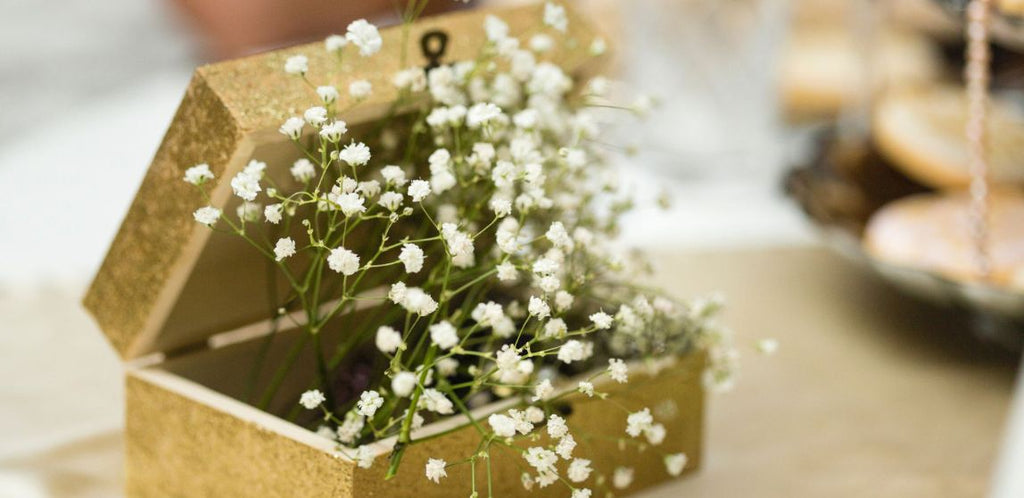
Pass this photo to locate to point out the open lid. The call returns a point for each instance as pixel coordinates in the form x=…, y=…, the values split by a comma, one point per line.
x=169, y=283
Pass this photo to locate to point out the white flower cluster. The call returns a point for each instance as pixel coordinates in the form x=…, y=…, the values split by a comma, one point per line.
x=487, y=217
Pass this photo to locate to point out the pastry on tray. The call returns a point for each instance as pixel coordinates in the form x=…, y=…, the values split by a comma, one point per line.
x=932, y=232
x=823, y=69
x=921, y=132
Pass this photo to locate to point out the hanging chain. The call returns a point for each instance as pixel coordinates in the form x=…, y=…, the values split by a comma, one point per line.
x=976, y=74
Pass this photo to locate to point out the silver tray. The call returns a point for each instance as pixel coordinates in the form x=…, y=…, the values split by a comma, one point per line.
x=996, y=314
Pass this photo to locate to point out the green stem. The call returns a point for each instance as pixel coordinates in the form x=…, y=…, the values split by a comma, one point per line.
x=404, y=438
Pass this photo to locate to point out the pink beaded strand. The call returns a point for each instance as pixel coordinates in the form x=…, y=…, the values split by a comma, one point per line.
x=976, y=74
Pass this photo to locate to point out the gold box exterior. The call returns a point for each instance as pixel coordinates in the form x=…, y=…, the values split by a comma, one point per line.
x=179, y=443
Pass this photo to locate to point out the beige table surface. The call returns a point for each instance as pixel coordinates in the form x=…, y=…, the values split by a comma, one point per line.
x=869, y=395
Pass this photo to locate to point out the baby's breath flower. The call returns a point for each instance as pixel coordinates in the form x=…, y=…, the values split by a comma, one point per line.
x=503, y=174
x=312, y=399
x=417, y=419
x=598, y=47
x=349, y=430
x=565, y=446
x=541, y=459
x=444, y=335
x=393, y=175
x=412, y=257
x=249, y=212
x=555, y=329
x=488, y=314
x=397, y=292
x=579, y=470
x=207, y=215
x=481, y=114
x=255, y=168
x=526, y=119
x=446, y=367
x=363, y=457
x=325, y=432
x=315, y=116
x=638, y=422
x=403, y=383
x=557, y=427
x=583, y=236
x=572, y=350
x=549, y=284
x=418, y=190
x=198, y=174
x=507, y=272
x=388, y=340
x=545, y=266
x=543, y=390
x=523, y=65
x=390, y=200
x=333, y=131
x=548, y=80
x=601, y=320
x=767, y=346
x=507, y=359
x=296, y=64
x=563, y=301
x=507, y=45
x=541, y=43
x=522, y=422
x=655, y=434
x=369, y=402
x=273, y=213
x=292, y=127
x=435, y=469
x=411, y=79
x=618, y=370
x=538, y=308
x=335, y=43
x=545, y=479
x=554, y=16
x=369, y=188
x=527, y=481
x=581, y=493
x=302, y=170
x=355, y=154
x=433, y=400
x=459, y=245
x=622, y=477
x=534, y=414
x=438, y=118
x=350, y=204
x=502, y=425
x=285, y=248
x=365, y=36
x=360, y=89
x=559, y=236
x=328, y=94
x=587, y=388
x=246, y=185
x=643, y=104
x=675, y=463
x=414, y=300
x=343, y=261
x=496, y=29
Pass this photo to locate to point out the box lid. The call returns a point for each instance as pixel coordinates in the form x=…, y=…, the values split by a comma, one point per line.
x=169, y=283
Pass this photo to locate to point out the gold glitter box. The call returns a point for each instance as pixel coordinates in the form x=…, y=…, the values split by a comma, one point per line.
x=186, y=308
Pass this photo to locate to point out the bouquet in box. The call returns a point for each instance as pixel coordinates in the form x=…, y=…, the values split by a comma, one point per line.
x=478, y=221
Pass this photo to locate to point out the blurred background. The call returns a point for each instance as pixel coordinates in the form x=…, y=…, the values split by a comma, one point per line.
x=744, y=91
